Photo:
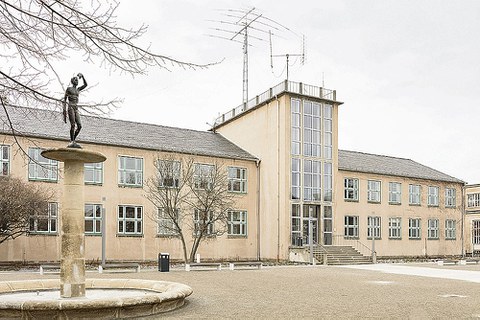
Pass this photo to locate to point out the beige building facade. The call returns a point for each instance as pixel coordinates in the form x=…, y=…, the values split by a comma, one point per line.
x=472, y=218
x=299, y=190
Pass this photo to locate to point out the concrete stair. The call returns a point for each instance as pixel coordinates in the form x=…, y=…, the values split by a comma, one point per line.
x=339, y=255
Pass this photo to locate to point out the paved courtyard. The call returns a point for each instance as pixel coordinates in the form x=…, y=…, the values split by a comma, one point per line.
x=393, y=291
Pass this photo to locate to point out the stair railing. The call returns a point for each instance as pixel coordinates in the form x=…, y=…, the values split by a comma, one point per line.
x=340, y=240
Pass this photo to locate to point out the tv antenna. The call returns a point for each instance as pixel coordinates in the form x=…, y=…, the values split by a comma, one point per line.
x=287, y=55
x=250, y=25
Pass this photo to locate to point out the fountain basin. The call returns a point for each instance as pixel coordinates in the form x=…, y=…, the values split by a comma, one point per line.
x=139, y=298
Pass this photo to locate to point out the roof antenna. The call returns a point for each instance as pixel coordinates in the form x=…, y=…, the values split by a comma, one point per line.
x=287, y=55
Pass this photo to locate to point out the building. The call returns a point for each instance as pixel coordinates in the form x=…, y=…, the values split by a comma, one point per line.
x=472, y=218
x=282, y=146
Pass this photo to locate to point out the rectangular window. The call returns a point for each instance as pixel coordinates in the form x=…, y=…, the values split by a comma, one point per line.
x=40, y=168
x=327, y=181
x=130, y=171
x=312, y=180
x=450, y=229
x=433, y=196
x=414, y=229
x=395, y=228
x=350, y=189
x=165, y=222
x=93, y=219
x=394, y=193
x=203, y=223
x=374, y=191
x=93, y=173
x=169, y=172
x=237, y=180
x=311, y=129
x=4, y=160
x=432, y=229
x=351, y=227
x=450, y=198
x=295, y=179
x=374, y=227
x=414, y=194
x=203, y=176
x=327, y=131
x=296, y=225
x=296, y=127
x=237, y=223
x=130, y=220
x=473, y=200
x=45, y=223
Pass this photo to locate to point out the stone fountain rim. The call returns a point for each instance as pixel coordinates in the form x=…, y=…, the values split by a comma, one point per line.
x=161, y=292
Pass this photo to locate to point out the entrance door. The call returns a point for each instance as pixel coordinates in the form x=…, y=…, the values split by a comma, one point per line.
x=476, y=234
x=310, y=219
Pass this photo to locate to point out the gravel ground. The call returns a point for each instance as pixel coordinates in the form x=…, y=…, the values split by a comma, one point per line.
x=320, y=292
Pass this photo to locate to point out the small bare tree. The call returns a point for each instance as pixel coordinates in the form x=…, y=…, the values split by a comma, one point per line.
x=192, y=201
x=18, y=202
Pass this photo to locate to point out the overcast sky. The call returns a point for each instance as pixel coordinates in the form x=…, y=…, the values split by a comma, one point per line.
x=408, y=72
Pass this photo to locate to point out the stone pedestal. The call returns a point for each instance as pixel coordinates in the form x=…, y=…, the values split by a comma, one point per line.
x=72, y=261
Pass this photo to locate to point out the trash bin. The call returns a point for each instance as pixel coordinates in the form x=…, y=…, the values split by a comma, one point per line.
x=163, y=262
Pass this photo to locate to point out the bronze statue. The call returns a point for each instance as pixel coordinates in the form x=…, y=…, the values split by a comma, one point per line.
x=73, y=116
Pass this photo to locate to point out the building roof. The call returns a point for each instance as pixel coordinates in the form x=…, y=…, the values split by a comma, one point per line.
x=49, y=124
x=392, y=166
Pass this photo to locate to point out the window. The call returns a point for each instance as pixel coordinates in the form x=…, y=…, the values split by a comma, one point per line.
x=414, y=229
x=450, y=197
x=203, y=223
x=130, y=220
x=237, y=180
x=4, y=160
x=311, y=129
x=394, y=193
x=295, y=179
x=93, y=173
x=473, y=200
x=130, y=171
x=168, y=173
x=374, y=227
x=450, y=229
x=374, y=191
x=395, y=228
x=93, y=219
x=311, y=180
x=296, y=126
x=327, y=131
x=351, y=227
x=414, y=194
x=351, y=189
x=165, y=223
x=237, y=223
x=296, y=225
x=46, y=222
x=433, y=196
x=327, y=181
x=203, y=176
x=40, y=168
x=432, y=229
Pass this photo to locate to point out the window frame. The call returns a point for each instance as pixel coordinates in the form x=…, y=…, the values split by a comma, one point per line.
x=242, y=223
x=4, y=160
x=371, y=192
x=165, y=224
x=176, y=173
x=296, y=176
x=35, y=165
x=433, y=196
x=210, y=224
x=94, y=218
x=200, y=180
x=123, y=172
x=242, y=181
x=347, y=189
x=450, y=229
x=473, y=200
x=394, y=194
x=450, y=197
x=354, y=227
x=414, y=231
x=374, y=223
x=124, y=220
x=395, y=228
x=52, y=220
x=432, y=229
x=315, y=178
x=413, y=195
x=96, y=168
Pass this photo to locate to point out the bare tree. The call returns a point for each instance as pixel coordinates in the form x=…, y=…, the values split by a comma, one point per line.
x=35, y=35
x=192, y=201
x=18, y=202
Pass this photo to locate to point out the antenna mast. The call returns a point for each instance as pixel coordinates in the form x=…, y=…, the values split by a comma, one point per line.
x=287, y=55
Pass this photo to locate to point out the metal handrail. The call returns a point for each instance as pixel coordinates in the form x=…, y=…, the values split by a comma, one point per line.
x=340, y=240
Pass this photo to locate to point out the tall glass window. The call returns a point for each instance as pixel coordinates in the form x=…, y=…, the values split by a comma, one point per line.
x=311, y=129
x=237, y=179
x=414, y=228
x=327, y=131
x=295, y=179
x=433, y=196
x=351, y=227
x=311, y=180
x=374, y=227
x=450, y=197
x=327, y=181
x=4, y=160
x=394, y=193
x=296, y=126
x=414, y=194
x=93, y=219
x=373, y=193
x=432, y=228
x=296, y=225
x=450, y=229
x=395, y=228
x=350, y=189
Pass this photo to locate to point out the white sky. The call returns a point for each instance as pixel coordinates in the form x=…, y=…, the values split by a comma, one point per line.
x=408, y=72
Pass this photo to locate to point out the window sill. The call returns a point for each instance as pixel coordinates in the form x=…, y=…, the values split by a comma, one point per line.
x=99, y=184
x=394, y=238
x=167, y=236
x=415, y=204
x=433, y=239
x=237, y=192
x=350, y=200
x=395, y=203
x=415, y=239
x=374, y=202
x=450, y=207
x=48, y=234
x=237, y=236
x=451, y=239
x=42, y=180
x=120, y=235
x=93, y=234
x=351, y=238
x=433, y=206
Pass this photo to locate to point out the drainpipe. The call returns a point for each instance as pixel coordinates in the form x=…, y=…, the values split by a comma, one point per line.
x=257, y=162
x=463, y=220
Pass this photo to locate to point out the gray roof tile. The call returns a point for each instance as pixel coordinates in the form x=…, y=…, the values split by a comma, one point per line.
x=379, y=164
x=49, y=124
